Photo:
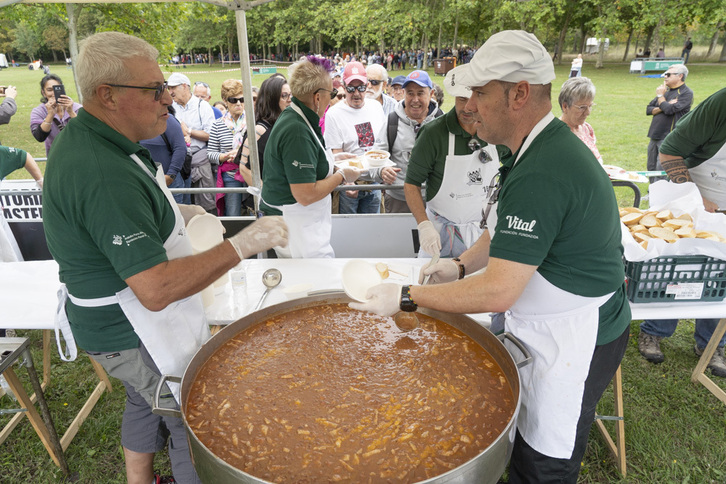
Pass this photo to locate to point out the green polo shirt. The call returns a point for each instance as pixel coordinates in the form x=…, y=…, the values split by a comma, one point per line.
x=428, y=157
x=105, y=220
x=557, y=211
x=701, y=133
x=292, y=156
x=11, y=159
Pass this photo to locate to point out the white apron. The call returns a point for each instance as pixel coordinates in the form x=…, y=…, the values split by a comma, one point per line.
x=710, y=177
x=173, y=335
x=310, y=227
x=456, y=208
x=560, y=330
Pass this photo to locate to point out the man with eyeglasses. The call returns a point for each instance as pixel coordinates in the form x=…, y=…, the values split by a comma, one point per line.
x=399, y=133
x=377, y=81
x=451, y=160
x=351, y=127
x=554, y=263
x=130, y=294
x=673, y=99
x=196, y=117
x=203, y=91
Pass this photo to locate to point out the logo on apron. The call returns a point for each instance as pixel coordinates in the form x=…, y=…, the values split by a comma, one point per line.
x=474, y=177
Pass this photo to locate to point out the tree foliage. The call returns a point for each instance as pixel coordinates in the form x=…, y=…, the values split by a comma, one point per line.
x=299, y=26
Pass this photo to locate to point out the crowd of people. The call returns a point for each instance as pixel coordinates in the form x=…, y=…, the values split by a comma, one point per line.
x=495, y=182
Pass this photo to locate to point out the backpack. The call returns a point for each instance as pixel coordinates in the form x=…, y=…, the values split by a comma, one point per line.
x=393, y=127
x=186, y=169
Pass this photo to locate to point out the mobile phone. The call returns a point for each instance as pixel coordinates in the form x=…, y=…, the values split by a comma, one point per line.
x=2, y=90
x=58, y=91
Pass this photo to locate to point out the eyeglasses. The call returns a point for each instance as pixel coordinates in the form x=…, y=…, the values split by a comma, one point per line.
x=494, y=188
x=285, y=95
x=333, y=93
x=374, y=82
x=200, y=83
x=352, y=89
x=158, y=90
x=236, y=100
x=340, y=95
x=583, y=107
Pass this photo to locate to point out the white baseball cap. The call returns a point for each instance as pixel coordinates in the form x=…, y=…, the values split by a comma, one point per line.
x=511, y=56
x=453, y=85
x=177, y=79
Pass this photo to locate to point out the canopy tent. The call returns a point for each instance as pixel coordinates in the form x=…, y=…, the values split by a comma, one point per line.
x=239, y=7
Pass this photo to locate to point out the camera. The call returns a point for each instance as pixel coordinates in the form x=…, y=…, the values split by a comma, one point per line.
x=58, y=91
x=2, y=90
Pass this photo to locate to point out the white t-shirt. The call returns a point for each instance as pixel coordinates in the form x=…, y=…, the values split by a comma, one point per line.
x=353, y=130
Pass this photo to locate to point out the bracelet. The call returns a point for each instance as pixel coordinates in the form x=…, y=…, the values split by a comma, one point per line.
x=462, y=268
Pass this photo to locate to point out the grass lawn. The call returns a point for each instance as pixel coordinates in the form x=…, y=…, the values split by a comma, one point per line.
x=675, y=430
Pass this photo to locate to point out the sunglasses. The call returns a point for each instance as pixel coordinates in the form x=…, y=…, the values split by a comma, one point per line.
x=236, y=100
x=374, y=82
x=352, y=89
x=158, y=90
x=333, y=93
x=669, y=74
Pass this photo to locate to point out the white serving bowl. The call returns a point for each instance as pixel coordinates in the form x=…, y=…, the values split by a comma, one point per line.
x=358, y=277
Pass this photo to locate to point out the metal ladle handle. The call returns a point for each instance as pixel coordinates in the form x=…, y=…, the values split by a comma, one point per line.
x=262, y=299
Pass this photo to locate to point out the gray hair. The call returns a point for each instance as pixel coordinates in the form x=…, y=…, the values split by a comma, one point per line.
x=380, y=69
x=575, y=89
x=102, y=59
x=680, y=69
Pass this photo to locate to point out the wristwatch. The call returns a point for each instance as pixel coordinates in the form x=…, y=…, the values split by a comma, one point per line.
x=173, y=176
x=407, y=303
x=462, y=269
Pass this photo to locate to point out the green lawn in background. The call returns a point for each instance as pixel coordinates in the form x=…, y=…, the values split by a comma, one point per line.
x=675, y=430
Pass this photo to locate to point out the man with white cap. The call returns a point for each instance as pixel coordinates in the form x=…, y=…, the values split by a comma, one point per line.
x=554, y=263
x=399, y=133
x=196, y=118
x=457, y=168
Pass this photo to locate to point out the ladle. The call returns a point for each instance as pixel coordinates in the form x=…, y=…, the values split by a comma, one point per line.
x=271, y=278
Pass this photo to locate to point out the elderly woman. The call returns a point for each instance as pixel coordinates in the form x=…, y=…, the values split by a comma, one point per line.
x=576, y=100
x=51, y=115
x=299, y=173
x=225, y=140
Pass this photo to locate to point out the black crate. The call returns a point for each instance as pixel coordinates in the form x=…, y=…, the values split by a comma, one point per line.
x=696, y=277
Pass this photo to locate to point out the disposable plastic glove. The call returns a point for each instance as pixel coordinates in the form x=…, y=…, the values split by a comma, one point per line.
x=264, y=234
x=383, y=300
x=350, y=174
x=188, y=212
x=429, y=238
x=445, y=270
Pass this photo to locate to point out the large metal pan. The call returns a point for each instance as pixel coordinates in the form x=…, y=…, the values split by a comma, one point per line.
x=487, y=467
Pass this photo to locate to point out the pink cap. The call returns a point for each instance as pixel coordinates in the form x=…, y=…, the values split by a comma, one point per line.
x=353, y=71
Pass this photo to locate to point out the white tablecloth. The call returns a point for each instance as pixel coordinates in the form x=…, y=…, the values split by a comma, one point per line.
x=28, y=291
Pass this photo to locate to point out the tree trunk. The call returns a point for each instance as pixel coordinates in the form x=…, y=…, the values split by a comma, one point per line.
x=456, y=30
x=438, y=42
x=424, y=41
x=582, y=41
x=627, y=44
x=601, y=49
x=648, y=38
x=561, y=40
x=210, y=57
x=714, y=38
x=722, y=57
x=74, y=10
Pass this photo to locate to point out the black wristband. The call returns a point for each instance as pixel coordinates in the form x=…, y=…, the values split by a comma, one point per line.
x=462, y=268
x=407, y=304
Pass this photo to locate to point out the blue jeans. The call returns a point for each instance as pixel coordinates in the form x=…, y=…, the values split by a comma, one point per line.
x=365, y=202
x=664, y=328
x=232, y=201
x=179, y=183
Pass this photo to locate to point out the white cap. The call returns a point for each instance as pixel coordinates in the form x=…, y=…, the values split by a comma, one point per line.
x=453, y=85
x=177, y=79
x=511, y=56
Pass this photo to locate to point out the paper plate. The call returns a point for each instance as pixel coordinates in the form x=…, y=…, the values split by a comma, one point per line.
x=358, y=277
